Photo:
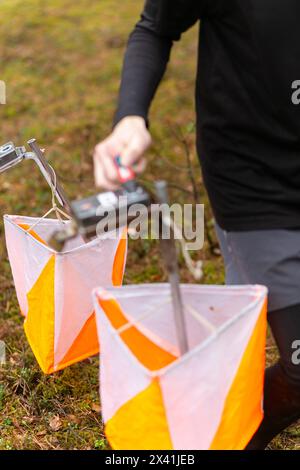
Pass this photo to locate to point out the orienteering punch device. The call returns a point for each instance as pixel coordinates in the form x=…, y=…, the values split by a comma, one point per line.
x=89, y=212
x=11, y=156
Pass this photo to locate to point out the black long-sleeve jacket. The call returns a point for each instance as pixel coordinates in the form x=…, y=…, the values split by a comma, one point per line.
x=247, y=99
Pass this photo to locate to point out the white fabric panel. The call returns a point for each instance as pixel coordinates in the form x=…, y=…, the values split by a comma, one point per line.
x=27, y=257
x=37, y=256
x=77, y=273
x=195, y=389
x=121, y=377
x=15, y=245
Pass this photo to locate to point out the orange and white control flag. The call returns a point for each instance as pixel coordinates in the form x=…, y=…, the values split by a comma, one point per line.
x=54, y=289
x=210, y=398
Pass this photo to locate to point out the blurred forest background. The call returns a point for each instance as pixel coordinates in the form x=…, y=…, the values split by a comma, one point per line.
x=61, y=61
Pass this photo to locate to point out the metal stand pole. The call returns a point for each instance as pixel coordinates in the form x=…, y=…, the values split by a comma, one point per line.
x=168, y=249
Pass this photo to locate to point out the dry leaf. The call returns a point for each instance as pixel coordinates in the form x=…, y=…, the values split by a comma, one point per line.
x=6, y=185
x=96, y=408
x=55, y=423
x=73, y=419
x=28, y=419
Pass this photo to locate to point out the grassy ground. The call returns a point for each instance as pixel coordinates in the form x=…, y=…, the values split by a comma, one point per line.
x=61, y=62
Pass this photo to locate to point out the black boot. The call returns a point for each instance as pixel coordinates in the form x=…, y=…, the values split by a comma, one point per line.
x=282, y=407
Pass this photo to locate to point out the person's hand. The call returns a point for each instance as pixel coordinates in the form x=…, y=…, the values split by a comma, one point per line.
x=129, y=140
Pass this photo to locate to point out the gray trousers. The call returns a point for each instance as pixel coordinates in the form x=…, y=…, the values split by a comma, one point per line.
x=267, y=257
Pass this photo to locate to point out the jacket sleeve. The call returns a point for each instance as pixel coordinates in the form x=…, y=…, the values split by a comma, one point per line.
x=148, y=51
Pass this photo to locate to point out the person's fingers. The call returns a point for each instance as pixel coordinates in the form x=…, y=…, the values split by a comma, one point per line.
x=135, y=150
x=101, y=181
x=106, y=174
x=110, y=169
x=129, y=140
x=97, y=169
x=100, y=178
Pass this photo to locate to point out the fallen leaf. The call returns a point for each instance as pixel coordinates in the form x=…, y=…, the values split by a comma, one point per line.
x=27, y=419
x=96, y=408
x=55, y=423
x=73, y=419
x=6, y=185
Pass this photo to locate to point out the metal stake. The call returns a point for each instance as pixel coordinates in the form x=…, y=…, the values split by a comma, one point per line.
x=168, y=249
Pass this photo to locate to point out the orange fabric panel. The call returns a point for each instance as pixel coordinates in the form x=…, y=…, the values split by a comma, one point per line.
x=148, y=353
x=242, y=413
x=141, y=423
x=119, y=261
x=39, y=323
x=32, y=233
x=79, y=350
